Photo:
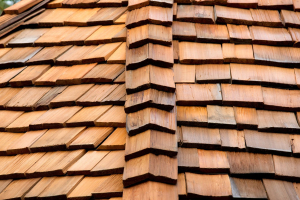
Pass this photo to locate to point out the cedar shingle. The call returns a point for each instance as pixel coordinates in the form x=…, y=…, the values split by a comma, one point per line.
x=274, y=121
x=150, y=167
x=27, y=37
x=184, y=31
x=184, y=73
x=221, y=116
x=103, y=73
x=242, y=95
x=270, y=36
x=240, y=53
x=149, y=54
x=194, y=137
x=191, y=116
x=87, y=162
x=135, y=4
x=112, y=163
x=57, y=17
x=247, y=188
x=213, y=73
x=54, y=118
x=242, y=3
x=246, y=118
x=195, y=13
x=286, y=167
x=200, y=53
x=276, y=4
x=8, y=74
x=114, y=117
x=277, y=189
x=212, y=33
x=210, y=186
x=232, y=139
x=150, y=77
x=149, y=33
x=80, y=16
x=213, y=161
x=91, y=137
x=54, y=36
x=149, y=15
x=151, y=118
x=115, y=141
x=239, y=34
x=268, y=142
x=229, y=15
x=106, y=16
x=79, y=35
x=266, y=18
x=150, y=141
x=198, y=94
x=44, y=102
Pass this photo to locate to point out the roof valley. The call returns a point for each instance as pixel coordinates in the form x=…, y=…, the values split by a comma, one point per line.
x=151, y=166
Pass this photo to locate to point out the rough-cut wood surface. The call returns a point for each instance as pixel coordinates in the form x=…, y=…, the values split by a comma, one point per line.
x=247, y=188
x=246, y=118
x=212, y=33
x=221, y=116
x=195, y=13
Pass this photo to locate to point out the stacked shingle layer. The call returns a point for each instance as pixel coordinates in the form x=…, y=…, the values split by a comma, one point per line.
x=155, y=99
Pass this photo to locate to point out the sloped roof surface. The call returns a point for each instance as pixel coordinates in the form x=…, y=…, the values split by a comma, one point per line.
x=150, y=100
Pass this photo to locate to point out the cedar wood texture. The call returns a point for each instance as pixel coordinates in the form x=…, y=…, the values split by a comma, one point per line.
x=149, y=99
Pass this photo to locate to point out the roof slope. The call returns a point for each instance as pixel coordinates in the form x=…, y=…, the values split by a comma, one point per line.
x=190, y=99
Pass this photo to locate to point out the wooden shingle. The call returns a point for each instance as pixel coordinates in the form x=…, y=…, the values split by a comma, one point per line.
x=54, y=163
x=69, y=96
x=221, y=116
x=114, y=117
x=277, y=189
x=250, y=163
x=150, y=167
x=74, y=55
x=7, y=117
x=268, y=142
x=27, y=37
x=50, y=77
x=246, y=118
x=242, y=95
x=270, y=36
x=20, y=7
x=112, y=163
x=44, y=102
x=103, y=73
x=18, y=188
x=285, y=167
x=149, y=54
x=104, y=34
x=195, y=13
x=275, y=121
x=232, y=139
x=210, y=186
x=229, y=15
x=57, y=17
x=198, y=94
x=60, y=187
x=18, y=56
x=150, y=141
x=184, y=73
x=96, y=95
x=39, y=187
x=242, y=3
x=181, y=185
x=135, y=4
x=8, y=74
x=54, y=118
x=247, y=188
x=115, y=141
x=191, y=116
x=276, y=5
x=149, y=33
x=212, y=33
x=6, y=94
x=47, y=55
x=213, y=73
x=261, y=74
x=149, y=15
x=28, y=76
x=91, y=137
x=184, y=31
x=188, y=159
x=85, y=188
x=239, y=34
x=151, y=118
x=263, y=17
x=22, y=145
x=150, y=77
x=286, y=100
x=239, y=53
x=213, y=161
x=194, y=137
x=106, y=16
x=150, y=190
x=87, y=116
x=200, y=53
x=56, y=139
x=87, y=162
x=73, y=75
x=149, y=98
x=79, y=35
x=8, y=138
x=80, y=16
x=21, y=124
x=27, y=98
x=54, y=36
x=295, y=34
